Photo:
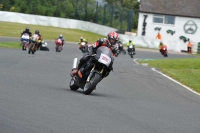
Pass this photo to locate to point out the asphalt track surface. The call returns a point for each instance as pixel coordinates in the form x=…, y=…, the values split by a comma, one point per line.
x=35, y=96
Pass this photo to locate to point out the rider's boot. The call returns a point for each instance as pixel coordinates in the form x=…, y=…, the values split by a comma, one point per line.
x=73, y=72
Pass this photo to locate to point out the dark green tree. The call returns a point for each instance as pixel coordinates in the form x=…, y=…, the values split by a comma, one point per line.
x=130, y=4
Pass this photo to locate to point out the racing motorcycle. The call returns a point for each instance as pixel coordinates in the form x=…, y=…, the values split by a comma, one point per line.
x=58, y=43
x=44, y=46
x=120, y=49
x=33, y=44
x=131, y=50
x=83, y=47
x=164, y=51
x=25, y=41
x=93, y=71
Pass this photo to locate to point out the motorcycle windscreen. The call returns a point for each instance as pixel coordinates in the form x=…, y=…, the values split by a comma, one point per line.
x=83, y=43
x=104, y=55
x=131, y=46
x=58, y=41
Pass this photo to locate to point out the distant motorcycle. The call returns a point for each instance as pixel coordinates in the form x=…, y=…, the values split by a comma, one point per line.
x=25, y=41
x=44, y=47
x=92, y=72
x=33, y=44
x=83, y=47
x=164, y=51
x=120, y=49
x=58, y=43
x=131, y=50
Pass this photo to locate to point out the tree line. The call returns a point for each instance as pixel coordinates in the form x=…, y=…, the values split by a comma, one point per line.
x=87, y=10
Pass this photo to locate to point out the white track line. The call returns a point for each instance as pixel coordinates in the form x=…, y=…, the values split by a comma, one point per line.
x=135, y=60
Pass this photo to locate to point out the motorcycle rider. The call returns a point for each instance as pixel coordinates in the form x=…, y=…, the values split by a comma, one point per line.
x=62, y=38
x=109, y=42
x=82, y=40
x=39, y=39
x=129, y=43
x=161, y=44
x=120, y=47
x=27, y=30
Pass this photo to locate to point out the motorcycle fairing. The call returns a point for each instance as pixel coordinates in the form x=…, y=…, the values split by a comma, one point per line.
x=25, y=38
x=131, y=46
x=104, y=55
x=83, y=43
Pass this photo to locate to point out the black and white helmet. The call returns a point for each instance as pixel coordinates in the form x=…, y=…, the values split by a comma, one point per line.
x=60, y=36
x=27, y=29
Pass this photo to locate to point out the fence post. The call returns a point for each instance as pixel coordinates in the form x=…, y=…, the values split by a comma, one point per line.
x=130, y=20
x=29, y=7
x=104, y=13
x=96, y=14
x=86, y=11
x=76, y=5
x=57, y=9
x=122, y=10
x=111, y=15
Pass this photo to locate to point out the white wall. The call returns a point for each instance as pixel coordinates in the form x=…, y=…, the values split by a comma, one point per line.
x=172, y=41
x=55, y=22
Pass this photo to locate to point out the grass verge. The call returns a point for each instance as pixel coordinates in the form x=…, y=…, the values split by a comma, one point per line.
x=186, y=71
x=48, y=33
x=10, y=45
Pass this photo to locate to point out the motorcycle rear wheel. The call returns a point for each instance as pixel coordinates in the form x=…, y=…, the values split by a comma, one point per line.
x=30, y=49
x=23, y=46
x=91, y=85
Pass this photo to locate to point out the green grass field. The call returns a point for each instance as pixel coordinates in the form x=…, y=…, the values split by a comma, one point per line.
x=187, y=71
x=48, y=33
x=10, y=45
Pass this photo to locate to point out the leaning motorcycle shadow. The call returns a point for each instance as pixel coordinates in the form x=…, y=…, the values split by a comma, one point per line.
x=96, y=94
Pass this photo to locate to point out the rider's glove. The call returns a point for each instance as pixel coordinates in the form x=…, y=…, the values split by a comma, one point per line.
x=114, y=48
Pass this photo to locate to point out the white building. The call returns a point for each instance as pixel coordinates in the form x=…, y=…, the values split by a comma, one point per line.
x=179, y=16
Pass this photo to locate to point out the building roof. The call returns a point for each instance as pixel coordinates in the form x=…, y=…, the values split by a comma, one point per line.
x=186, y=8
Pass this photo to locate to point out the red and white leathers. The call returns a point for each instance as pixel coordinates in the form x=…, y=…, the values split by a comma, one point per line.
x=102, y=42
x=109, y=42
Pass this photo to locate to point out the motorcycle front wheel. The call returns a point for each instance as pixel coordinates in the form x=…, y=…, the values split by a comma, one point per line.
x=34, y=48
x=131, y=56
x=56, y=48
x=72, y=85
x=91, y=85
x=123, y=51
x=165, y=54
x=59, y=48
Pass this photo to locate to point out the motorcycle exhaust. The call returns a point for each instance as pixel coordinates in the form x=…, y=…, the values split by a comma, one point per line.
x=75, y=63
